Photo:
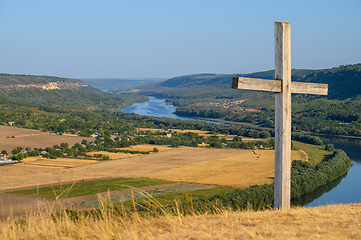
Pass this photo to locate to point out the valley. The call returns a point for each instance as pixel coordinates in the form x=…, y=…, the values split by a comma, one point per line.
x=92, y=141
x=210, y=96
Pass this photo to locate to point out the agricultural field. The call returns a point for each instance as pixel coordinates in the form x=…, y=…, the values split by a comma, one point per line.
x=225, y=167
x=59, y=163
x=185, y=166
x=148, y=147
x=202, y=133
x=21, y=175
x=241, y=170
x=315, y=153
x=113, y=156
x=12, y=137
x=46, y=172
x=84, y=188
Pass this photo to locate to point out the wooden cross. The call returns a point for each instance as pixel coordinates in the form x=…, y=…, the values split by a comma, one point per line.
x=283, y=88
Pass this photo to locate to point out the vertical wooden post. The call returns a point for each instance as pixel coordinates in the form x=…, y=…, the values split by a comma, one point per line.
x=283, y=116
x=282, y=87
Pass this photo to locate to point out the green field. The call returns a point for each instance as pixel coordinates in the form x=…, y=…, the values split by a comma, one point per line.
x=196, y=194
x=88, y=188
x=163, y=196
x=316, y=153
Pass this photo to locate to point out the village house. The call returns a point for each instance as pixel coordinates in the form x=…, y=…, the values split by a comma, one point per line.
x=94, y=135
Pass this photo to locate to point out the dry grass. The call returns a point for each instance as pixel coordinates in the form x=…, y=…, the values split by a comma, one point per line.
x=33, y=138
x=22, y=175
x=26, y=175
x=147, y=147
x=248, y=139
x=242, y=170
x=330, y=222
x=114, y=155
x=59, y=162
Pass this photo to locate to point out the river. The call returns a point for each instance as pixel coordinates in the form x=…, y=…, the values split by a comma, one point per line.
x=349, y=189
x=346, y=189
x=158, y=108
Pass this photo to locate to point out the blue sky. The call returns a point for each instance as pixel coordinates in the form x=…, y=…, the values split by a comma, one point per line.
x=150, y=38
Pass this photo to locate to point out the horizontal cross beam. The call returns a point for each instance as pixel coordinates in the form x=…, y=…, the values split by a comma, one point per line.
x=256, y=84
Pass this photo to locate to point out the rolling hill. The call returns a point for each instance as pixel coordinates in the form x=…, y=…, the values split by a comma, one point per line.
x=211, y=96
x=344, y=81
x=59, y=94
x=118, y=84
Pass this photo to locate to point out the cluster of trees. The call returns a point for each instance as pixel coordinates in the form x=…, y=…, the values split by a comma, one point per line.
x=314, y=140
x=79, y=150
x=306, y=177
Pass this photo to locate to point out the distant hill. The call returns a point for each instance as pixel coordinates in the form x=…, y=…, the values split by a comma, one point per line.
x=14, y=79
x=118, y=84
x=59, y=94
x=344, y=81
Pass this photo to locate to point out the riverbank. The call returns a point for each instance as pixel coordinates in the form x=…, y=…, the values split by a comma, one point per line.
x=165, y=109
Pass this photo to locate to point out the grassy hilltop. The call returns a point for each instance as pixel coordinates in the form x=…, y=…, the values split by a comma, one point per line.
x=328, y=222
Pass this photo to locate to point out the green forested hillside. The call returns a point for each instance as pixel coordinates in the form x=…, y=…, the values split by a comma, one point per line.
x=59, y=94
x=344, y=81
x=211, y=96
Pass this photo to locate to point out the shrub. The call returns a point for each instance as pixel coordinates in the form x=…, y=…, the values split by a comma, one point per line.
x=329, y=147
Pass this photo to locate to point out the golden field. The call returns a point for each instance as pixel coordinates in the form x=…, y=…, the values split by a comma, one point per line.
x=55, y=163
x=112, y=155
x=226, y=167
x=241, y=170
x=12, y=137
x=148, y=147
